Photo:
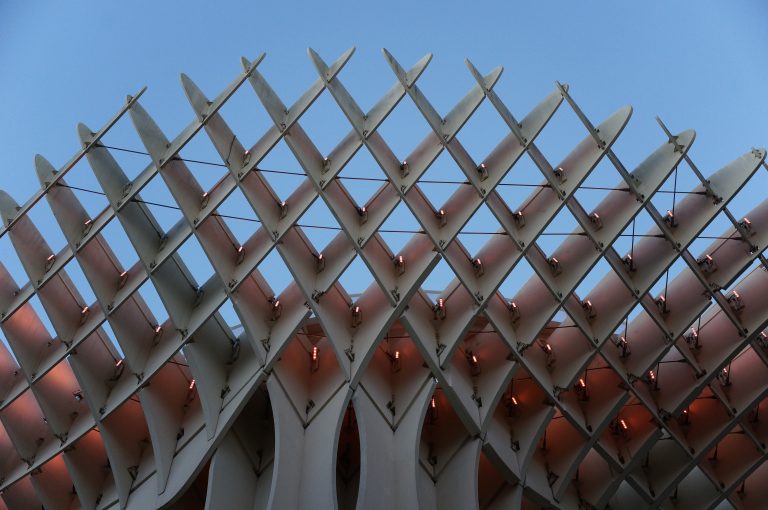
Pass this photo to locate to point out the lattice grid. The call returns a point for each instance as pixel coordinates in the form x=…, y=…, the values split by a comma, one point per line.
x=645, y=392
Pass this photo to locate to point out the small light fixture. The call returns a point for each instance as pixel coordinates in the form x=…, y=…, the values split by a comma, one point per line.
x=560, y=174
x=362, y=212
x=653, y=380
x=122, y=279
x=192, y=384
x=246, y=157
x=204, y=200
x=314, y=359
x=477, y=267
x=670, y=220
x=588, y=309
x=692, y=339
x=482, y=172
x=474, y=365
x=514, y=312
x=724, y=376
x=84, y=314
x=394, y=360
x=276, y=309
x=581, y=389
x=735, y=301
x=319, y=263
x=399, y=265
x=49, y=262
x=442, y=218
x=158, y=333
x=404, y=169
x=78, y=395
x=622, y=345
x=707, y=264
x=661, y=304
x=240, y=255
x=762, y=340
x=283, y=209
x=87, y=226
x=357, y=316
x=326, y=164
x=596, y=221
x=746, y=224
x=554, y=265
x=439, y=309
x=629, y=263
x=519, y=218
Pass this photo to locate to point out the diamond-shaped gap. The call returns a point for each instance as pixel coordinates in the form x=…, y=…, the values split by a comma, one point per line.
x=678, y=185
x=445, y=94
x=558, y=231
x=356, y=278
x=483, y=362
x=640, y=225
x=714, y=234
x=395, y=374
x=152, y=299
x=404, y=129
x=288, y=83
x=522, y=410
x=561, y=135
x=325, y=123
x=592, y=278
x=319, y=224
x=84, y=185
x=399, y=228
x=441, y=180
x=110, y=335
x=203, y=161
x=114, y=236
x=228, y=313
x=753, y=266
x=37, y=306
x=480, y=229
x=160, y=202
x=521, y=182
x=245, y=116
x=126, y=148
x=438, y=279
x=309, y=371
x=75, y=273
x=515, y=280
x=362, y=177
x=660, y=287
x=197, y=262
x=236, y=213
x=599, y=183
x=273, y=269
x=281, y=170
x=595, y=393
x=442, y=434
x=484, y=130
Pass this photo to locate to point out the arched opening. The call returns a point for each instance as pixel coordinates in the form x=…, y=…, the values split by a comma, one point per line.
x=348, y=461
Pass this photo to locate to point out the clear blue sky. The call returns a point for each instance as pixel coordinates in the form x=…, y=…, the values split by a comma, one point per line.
x=697, y=64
